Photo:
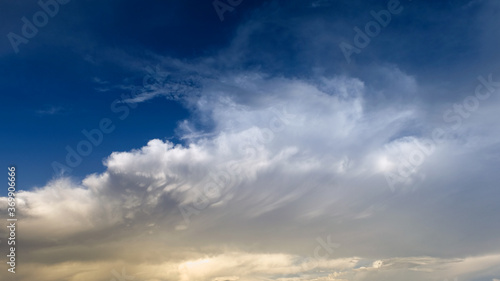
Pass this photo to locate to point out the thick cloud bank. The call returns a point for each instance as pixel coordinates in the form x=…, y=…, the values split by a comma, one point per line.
x=296, y=180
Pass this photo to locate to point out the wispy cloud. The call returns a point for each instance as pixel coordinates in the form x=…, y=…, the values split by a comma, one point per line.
x=323, y=158
x=51, y=110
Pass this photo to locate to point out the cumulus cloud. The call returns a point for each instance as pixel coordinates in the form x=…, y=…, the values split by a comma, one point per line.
x=311, y=155
x=292, y=177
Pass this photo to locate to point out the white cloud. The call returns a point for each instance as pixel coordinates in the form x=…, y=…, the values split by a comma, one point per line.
x=51, y=110
x=287, y=161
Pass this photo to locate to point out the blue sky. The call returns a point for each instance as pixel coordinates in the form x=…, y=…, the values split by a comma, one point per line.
x=248, y=144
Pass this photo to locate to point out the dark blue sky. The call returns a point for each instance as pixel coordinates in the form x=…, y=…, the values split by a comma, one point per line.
x=50, y=90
